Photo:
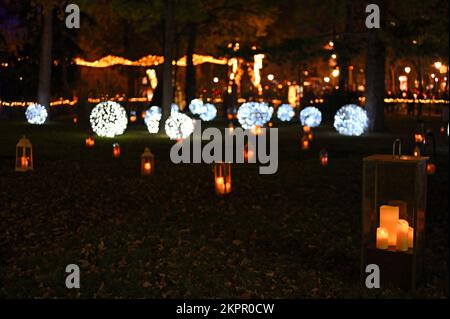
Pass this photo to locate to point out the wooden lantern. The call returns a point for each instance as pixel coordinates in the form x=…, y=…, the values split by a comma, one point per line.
x=305, y=142
x=393, y=218
x=323, y=156
x=116, y=150
x=147, y=162
x=222, y=178
x=24, y=155
x=90, y=142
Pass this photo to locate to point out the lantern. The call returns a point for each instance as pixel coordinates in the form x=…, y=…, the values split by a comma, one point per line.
x=24, y=155
x=442, y=130
x=323, y=156
x=116, y=150
x=90, y=142
x=147, y=162
x=222, y=178
x=75, y=120
x=305, y=142
x=431, y=168
x=133, y=116
x=416, y=152
x=306, y=129
x=393, y=215
x=310, y=136
x=419, y=138
x=230, y=116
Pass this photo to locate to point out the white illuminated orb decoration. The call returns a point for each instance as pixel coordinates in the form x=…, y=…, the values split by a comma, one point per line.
x=351, y=120
x=36, y=114
x=209, y=113
x=252, y=114
x=108, y=119
x=197, y=107
x=152, y=117
x=174, y=108
x=179, y=126
x=285, y=112
x=310, y=116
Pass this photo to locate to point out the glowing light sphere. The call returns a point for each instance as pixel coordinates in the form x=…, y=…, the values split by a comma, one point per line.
x=36, y=114
x=252, y=114
x=152, y=117
x=179, y=126
x=351, y=120
x=285, y=112
x=197, y=107
x=210, y=112
x=108, y=119
x=310, y=116
x=174, y=108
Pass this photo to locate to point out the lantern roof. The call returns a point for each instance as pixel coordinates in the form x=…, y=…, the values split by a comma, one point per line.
x=147, y=152
x=24, y=142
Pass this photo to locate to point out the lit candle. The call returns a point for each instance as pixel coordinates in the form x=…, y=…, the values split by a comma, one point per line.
x=305, y=143
x=24, y=162
x=116, y=151
x=388, y=219
x=220, y=185
x=147, y=167
x=382, y=238
x=410, y=237
x=402, y=235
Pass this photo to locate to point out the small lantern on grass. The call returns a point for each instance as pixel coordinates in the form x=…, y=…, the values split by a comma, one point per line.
x=323, y=156
x=393, y=215
x=133, y=116
x=306, y=129
x=222, y=178
x=305, y=142
x=24, y=155
x=147, y=162
x=90, y=141
x=116, y=150
x=416, y=151
x=75, y=120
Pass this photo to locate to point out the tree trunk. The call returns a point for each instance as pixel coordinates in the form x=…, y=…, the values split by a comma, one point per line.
x=191, y=84
x=169, y=36
x=375, y=81
x=45, y=60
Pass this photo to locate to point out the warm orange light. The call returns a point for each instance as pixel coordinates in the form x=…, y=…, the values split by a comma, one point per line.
x=116, y=150
x=90, y=142
x=147, y=167
x=305, y=143
x=306, y=129
x=270, y=124
x=222, y=178
x=257, y=130
x=24, y=162
x=133, y=118
x=431, y=169
x=230, y=116
x=75, y=120
x=419, y=138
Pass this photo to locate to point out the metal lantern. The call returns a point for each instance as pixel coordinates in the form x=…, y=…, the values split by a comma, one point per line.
x=116, y=150
x=147, y=162
x=222, y=178
x=393, y=217
x=24, y=155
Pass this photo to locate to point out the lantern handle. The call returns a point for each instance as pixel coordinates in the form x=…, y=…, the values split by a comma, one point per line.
x=395, y=148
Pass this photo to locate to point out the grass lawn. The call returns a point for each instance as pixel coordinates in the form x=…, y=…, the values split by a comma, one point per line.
x=295, y=234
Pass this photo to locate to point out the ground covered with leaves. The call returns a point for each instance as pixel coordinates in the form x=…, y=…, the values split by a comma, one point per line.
x=295, y=234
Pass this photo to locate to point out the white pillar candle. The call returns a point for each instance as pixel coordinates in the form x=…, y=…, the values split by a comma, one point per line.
x=388, y=219
x=402, y=235
x=410, y=237
x=382, y=238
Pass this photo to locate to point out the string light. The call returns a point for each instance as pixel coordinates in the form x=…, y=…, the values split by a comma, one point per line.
x=285, y=112
x=36, y=114
x=351, y=120
x=179, y=126
x=310, y=116
x=108, y=119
